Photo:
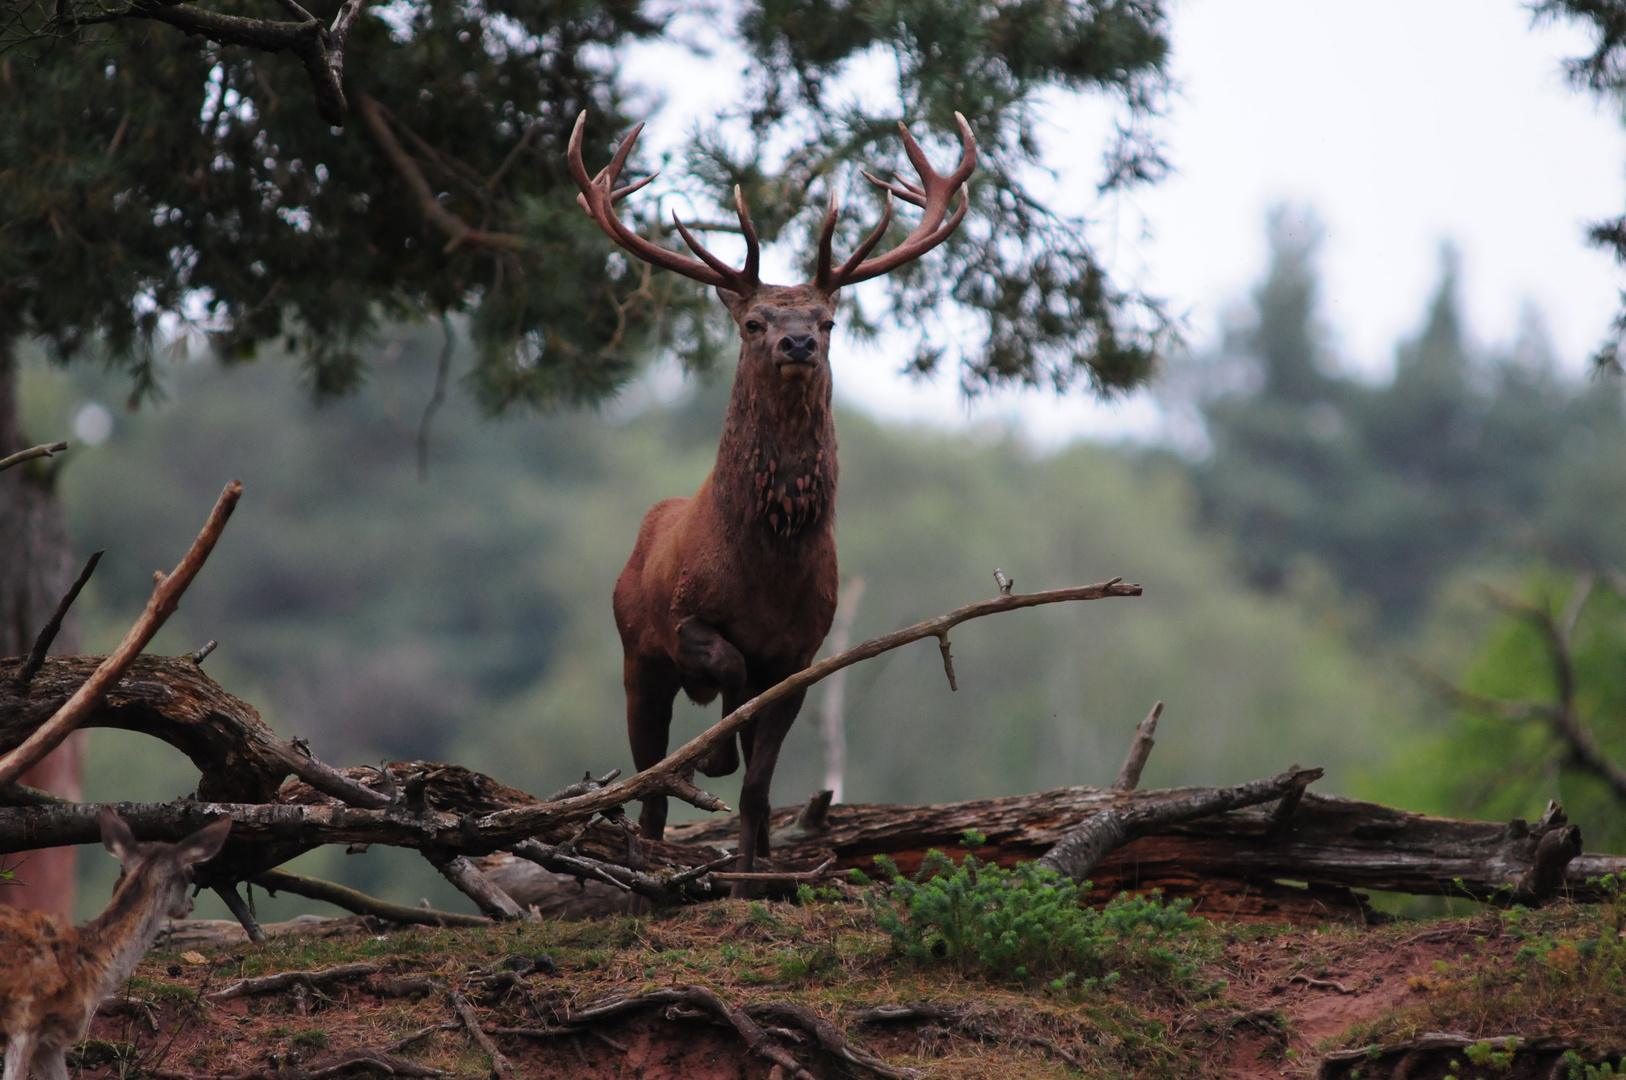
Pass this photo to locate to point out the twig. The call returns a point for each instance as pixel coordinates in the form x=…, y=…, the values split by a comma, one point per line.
x=287, y=980
x=203, y=654
x=421, y=1034
x=815, y=874
x=1139, y=750
x=240, y=911
x=166, y=596
x=948, y=660
x=275, y=881
x=42, y=644
x=499, y=1061
x=43, y=450
x=1320, y=984
x=1005, y=583
x=461, y=872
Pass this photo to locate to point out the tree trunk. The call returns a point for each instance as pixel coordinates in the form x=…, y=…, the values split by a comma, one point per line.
x=36, y=568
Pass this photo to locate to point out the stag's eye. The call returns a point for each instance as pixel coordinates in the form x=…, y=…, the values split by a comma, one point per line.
x=753, y=326
x=827, y=325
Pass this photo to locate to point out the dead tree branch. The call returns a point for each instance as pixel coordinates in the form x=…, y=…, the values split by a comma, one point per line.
x=166, y=597
x=461, y=872
x=501, y=1067
x=275, y=881
x=42, y=644
x=671, y=776
x=43, y=450
x=1076, y=854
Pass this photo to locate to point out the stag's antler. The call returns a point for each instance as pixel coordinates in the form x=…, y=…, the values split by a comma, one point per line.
x=933, y=194
x=599, y=196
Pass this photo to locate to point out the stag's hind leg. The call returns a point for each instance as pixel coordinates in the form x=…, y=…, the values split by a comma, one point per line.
x=651, y=686
x=767, y=735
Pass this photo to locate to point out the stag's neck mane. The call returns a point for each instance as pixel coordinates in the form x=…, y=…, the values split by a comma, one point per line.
x=776, y=463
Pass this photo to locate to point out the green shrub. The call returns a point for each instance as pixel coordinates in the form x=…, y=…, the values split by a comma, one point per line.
x=1025, y=923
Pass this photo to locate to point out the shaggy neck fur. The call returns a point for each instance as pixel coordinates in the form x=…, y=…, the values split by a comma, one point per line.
x=776, y=463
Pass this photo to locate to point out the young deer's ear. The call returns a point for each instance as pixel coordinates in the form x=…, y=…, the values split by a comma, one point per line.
x=204, y=844
x=118, y=839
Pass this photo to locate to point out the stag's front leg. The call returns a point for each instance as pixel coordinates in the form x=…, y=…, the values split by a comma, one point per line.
x=708, y=662
x=761, y=755
x=651, y=685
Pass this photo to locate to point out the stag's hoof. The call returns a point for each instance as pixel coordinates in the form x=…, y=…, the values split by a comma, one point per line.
x=721, y=761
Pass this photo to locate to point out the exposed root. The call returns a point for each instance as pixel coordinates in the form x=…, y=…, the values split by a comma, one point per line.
x=361, y=1059
x=965, y=1020
x=288, y=980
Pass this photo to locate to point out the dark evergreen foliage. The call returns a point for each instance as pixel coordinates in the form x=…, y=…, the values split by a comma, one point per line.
x=154, y=180
x=1458, y=458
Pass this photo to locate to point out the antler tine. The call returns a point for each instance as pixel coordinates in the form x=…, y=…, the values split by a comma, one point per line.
x=827, y=234
x=599, y=196
x=845, y=274
x=753, y=250
x=934, y=195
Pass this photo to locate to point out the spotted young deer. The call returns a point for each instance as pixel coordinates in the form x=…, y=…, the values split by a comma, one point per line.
x=52, y=976
x=732, y=590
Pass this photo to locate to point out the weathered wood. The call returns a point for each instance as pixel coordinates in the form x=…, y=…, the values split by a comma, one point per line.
x=1243, y=862
x=1076, y=854
x=239, y=758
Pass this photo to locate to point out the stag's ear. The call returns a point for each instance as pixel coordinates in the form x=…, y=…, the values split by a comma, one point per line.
x=118, y=839
x=731, y=299
x=204, y=844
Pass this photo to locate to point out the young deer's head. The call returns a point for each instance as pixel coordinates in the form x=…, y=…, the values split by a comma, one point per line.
x=785, y=329
x=156, y=876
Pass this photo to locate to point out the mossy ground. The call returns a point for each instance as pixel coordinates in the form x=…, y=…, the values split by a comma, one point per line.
x=1262, y=1001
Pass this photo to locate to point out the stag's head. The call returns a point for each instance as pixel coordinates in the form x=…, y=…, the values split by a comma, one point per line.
x=785, y=329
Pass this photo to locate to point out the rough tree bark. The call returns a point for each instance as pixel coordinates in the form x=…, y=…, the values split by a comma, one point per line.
x=36, y=568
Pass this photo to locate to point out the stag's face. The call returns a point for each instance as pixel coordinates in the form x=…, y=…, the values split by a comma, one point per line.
x=784, y=331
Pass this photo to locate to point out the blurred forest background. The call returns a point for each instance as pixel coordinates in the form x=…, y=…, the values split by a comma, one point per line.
x=1331, y=546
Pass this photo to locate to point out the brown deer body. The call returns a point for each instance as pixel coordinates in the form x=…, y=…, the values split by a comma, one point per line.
x=52, y=976
x=733, y=590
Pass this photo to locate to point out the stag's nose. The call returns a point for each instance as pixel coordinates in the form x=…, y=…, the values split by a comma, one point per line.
x=799, y=348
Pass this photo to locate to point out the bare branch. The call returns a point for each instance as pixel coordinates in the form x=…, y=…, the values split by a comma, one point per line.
x=1139, y=751
x=43, y=450
x=461, y=872
x=669, y=777
x=501, y=1067
x=42, y=644
x=275, y=881
x=240, y=911
x=456, y=229
x=166, y=597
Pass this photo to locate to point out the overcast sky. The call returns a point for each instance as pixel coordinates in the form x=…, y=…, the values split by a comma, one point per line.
x=1403, y=123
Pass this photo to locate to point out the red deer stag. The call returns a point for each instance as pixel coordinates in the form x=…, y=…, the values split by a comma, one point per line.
x=733, y=590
